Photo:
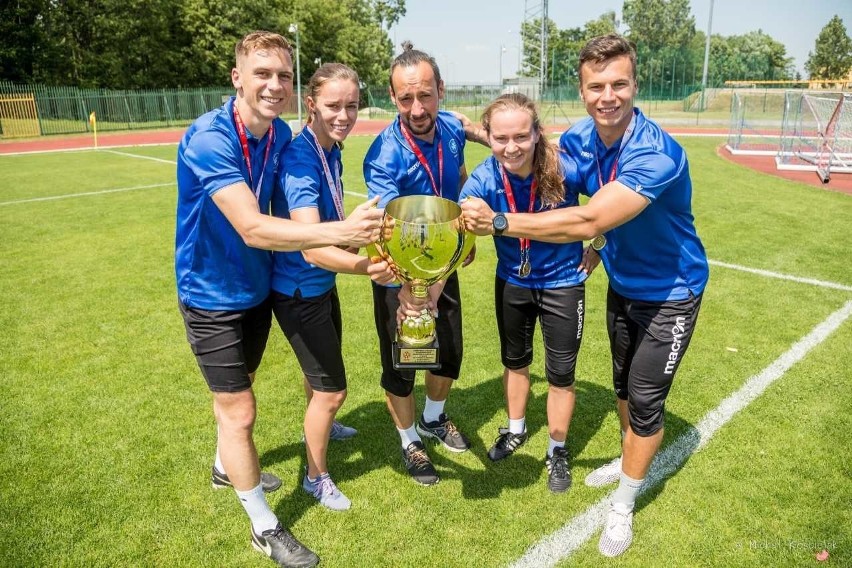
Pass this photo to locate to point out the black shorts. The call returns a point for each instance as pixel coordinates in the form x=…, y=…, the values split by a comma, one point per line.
x=648, y=341
x=228, y=345
x=561, y=313
x=448, y=328
x=314, y=328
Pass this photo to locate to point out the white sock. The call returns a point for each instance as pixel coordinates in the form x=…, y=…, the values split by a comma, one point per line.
x=433, y=409
x=628, y=490
x=408, y=435
x=552, y=445
x=518, y=426
x=261, y=516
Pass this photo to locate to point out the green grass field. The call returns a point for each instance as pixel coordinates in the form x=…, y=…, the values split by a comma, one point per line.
x=107, y=434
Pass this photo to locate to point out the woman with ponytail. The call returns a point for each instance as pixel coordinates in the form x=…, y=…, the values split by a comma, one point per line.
x=534, y=280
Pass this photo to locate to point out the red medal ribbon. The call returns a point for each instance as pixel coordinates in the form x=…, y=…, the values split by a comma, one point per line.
x=624, y=138
x=241, y=132
x=510, y=197
x=422, y=159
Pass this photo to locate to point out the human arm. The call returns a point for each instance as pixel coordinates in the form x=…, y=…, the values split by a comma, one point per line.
x=341, y=260
x=613, y=205
x=239, y=205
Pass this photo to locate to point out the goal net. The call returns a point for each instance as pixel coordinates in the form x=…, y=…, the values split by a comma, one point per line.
x=756, y=118
x=817, y=133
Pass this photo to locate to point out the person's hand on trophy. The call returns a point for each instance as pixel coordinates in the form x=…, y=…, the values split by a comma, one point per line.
x=478, y=216
x=412, y=306
x=381, y=272
x=362, y=226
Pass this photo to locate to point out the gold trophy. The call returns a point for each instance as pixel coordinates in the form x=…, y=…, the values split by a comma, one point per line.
x=423, y=236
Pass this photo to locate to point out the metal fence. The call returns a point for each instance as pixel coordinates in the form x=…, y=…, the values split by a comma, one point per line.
x=34, y=110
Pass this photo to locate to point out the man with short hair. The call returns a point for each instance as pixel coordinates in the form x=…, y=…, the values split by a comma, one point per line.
x=227, y=167
x=420, y=153
x=638, y=179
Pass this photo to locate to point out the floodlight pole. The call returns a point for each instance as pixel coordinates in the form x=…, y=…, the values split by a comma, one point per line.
x=294, y=29
x=706, y=54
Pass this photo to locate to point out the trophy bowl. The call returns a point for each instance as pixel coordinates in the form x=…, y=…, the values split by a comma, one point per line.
x=423, y=236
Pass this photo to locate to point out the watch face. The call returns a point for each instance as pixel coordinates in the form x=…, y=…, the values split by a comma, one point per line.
x=500, y=223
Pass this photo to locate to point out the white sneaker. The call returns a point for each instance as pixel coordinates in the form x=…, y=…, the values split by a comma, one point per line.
x=605, y=474
x=618, y=531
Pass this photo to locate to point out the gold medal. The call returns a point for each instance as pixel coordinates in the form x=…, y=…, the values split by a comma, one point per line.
x=598, y=242
x=525, y=269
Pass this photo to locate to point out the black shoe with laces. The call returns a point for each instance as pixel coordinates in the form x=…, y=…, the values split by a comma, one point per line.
x=281, y=546
x=419, y=465
x=268, y=481
x=506, y=444
x=445, y=431
x=558, y=470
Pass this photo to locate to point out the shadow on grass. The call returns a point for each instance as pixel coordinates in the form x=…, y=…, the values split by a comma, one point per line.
x=472, y=408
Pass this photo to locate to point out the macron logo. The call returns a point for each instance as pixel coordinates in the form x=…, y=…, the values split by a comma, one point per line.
x=580, y=319
x=677, y=333
x=587, y=155
x=411, y=170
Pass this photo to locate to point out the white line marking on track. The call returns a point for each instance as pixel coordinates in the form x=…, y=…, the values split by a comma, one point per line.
x=565, y=541
x=70, y=195
x=85, y=149
x=769, y=274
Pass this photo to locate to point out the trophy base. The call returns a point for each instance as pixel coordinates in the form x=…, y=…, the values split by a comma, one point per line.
x=416, y=357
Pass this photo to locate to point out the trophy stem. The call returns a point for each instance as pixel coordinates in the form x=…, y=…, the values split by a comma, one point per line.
x=418, y=290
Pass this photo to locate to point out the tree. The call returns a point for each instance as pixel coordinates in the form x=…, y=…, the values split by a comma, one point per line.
x=832, y=55
x=659, y=24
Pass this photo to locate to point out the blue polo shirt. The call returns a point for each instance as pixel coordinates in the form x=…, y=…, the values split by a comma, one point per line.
x=215, y=269
x=553, y=265
x=391, y=168
x=656, y=256
x=304, y=184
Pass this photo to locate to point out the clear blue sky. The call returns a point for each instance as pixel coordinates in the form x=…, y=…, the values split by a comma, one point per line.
x=465, y=36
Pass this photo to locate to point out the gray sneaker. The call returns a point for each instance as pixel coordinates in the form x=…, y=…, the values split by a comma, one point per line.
x=445, y=432
x=338, y=432
x=341, y=432
x=326, y=492
x=268, y=481
x=418, y=464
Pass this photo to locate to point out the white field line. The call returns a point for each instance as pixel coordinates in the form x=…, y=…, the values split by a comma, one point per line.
x=88, y=193
x=769, y=274
x=557, y=546
x=129, y=155
x=85, y=149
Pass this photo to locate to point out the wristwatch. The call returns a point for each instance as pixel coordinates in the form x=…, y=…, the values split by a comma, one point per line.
x=500, y=224
x=598, y=242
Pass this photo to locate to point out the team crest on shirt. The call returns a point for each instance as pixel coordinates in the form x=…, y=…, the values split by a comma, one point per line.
x=454, y=147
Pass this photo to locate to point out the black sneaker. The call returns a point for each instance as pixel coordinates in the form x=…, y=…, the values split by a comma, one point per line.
x=281, y=546
x=506, y=444
x=419, y=465
x=268, y=481
x=445, y=432
x=558, y=470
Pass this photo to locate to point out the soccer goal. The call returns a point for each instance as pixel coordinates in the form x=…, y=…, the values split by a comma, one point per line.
x=756, y=118
x=817, y=133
